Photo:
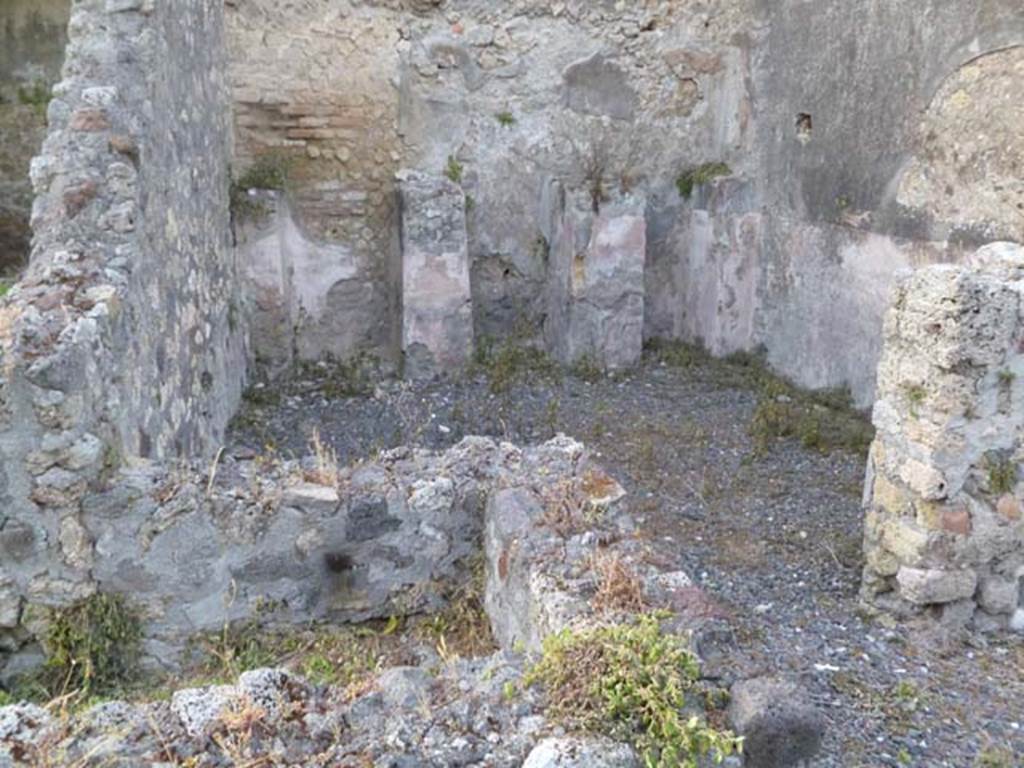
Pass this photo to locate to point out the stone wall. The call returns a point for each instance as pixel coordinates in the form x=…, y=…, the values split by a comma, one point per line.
x=126, y=338
x=503, y=96
x=944, y=532
x=33, y=34
x=847, y=160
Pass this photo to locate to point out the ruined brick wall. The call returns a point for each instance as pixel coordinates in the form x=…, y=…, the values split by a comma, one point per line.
x=33, y=34
x=944, y=532
x=126, y=337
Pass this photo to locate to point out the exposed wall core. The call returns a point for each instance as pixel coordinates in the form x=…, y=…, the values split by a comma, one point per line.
x=968, y=169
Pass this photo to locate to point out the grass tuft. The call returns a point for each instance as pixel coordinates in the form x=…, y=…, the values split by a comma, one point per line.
x=513, y=363
x=824, y=420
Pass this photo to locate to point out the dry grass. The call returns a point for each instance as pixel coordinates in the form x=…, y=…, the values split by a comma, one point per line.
x=619, y=589
x=564, y=507
x=325, y=469
x=238, y=730
x=462, y=629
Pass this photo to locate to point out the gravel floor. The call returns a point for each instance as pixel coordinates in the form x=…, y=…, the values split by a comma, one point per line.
x=774, y=536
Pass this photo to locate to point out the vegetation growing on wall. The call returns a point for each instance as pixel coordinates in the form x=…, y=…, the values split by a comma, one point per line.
x=268, y=172
x=693, y=177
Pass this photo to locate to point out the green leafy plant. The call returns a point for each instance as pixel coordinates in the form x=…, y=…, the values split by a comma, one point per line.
x=5, y=287
x=701, y=174
x=506, y=119
x=91, y=646
x=630, y=682
x=454, y=170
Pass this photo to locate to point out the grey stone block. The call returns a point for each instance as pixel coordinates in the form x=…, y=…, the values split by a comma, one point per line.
x=581, y=752
x=780, y=726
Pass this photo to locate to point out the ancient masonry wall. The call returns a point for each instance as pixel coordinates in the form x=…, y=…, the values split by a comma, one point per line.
x=126, y=338
x=502, y=97
x=944, y=529
x=829, y=191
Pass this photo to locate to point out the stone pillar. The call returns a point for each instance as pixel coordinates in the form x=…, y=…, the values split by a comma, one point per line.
x=596, y=280
x=437, y=310
x=944, y=532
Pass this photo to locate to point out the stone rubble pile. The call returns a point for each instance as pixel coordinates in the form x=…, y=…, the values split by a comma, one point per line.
x=561, y=553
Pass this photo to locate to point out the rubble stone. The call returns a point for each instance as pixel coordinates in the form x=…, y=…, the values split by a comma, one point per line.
x=779, y=724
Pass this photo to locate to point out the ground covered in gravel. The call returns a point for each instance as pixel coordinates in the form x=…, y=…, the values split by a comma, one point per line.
x=770, y=527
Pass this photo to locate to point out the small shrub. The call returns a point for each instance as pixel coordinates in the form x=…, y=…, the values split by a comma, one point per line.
x=267, y=172
x=5, y=287
x=91, y=647
x=262, y=396
x=702, y=174
x=630, y=682
x=506, y=119
x=454, y=170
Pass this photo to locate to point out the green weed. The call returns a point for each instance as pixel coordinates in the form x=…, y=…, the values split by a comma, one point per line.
x=630, y=682
x=90, y=647
x=454, y=170
x=701, y=174
x=268, y=172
